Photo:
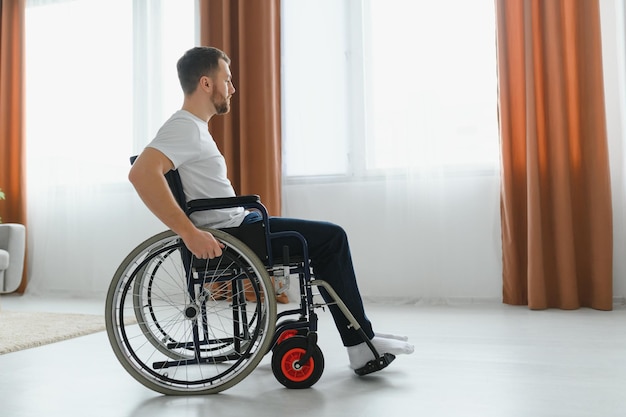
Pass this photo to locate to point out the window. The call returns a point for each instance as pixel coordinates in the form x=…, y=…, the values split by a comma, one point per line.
x=316, y=70
x=100, y=79
x=388, y=86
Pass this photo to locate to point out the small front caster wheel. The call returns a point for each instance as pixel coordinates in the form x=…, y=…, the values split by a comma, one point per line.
x=287, y=367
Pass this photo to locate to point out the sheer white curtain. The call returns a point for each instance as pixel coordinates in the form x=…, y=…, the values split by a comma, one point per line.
x=390, y=129
x=613, y=16
x=100, y=79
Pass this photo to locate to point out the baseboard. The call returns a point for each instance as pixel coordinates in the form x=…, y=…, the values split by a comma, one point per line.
x=431, y=300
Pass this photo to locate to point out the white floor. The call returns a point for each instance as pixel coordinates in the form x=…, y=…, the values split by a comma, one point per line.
x=470, y=360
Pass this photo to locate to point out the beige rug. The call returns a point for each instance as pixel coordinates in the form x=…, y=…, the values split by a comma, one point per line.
x=24, y=330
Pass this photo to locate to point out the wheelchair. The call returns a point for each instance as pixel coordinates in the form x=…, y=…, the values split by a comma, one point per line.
x=181, y=325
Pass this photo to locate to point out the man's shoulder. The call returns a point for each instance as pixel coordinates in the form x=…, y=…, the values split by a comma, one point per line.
x=180, y=125
x=182, y=118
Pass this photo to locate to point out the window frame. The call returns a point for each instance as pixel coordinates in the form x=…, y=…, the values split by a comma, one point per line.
x=360, y=137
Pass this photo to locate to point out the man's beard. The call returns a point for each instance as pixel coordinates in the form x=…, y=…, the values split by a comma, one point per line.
x=221, y=103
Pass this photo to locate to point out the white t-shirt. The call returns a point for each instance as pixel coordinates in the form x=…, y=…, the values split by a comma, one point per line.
x=186, y=141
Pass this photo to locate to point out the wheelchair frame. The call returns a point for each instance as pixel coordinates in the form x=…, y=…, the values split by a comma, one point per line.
x=176, y=335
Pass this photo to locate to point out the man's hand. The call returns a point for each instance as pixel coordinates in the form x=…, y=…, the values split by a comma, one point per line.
x=203, y=244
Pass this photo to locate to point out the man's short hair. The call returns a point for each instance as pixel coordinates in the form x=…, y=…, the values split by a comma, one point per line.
x=198, y=62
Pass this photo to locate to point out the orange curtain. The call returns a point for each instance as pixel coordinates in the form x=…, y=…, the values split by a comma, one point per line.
x=249, y=136
x=555, y=198
x=12, y=146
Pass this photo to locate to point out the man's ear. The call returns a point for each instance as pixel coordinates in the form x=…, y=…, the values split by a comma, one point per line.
x=206, y=83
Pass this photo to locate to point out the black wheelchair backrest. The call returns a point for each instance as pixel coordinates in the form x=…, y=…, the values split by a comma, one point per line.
x=176, y=185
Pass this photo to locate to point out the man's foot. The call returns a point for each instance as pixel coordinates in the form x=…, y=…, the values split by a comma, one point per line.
x=361, y=354
x=391, y=336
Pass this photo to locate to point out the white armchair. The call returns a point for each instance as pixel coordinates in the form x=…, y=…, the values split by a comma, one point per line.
x=12, y=248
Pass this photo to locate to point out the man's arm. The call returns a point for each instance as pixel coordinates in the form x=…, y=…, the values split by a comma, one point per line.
x=148, y=177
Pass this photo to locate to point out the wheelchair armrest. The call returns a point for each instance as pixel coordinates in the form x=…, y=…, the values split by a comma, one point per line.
x=227, y=202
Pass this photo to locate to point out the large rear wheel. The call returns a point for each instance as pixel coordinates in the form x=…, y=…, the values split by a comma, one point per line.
x=181, y=325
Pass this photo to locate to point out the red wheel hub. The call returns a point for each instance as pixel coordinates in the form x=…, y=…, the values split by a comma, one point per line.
x=286, y=335
x=294, y=371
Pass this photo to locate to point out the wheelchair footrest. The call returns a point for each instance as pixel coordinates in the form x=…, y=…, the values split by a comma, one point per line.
x=375, y=364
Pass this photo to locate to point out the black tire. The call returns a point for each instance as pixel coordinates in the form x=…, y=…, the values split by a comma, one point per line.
x=288, y=371
x=171, y=334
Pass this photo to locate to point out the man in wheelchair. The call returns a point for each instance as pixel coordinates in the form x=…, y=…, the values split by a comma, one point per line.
x=185, y=144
